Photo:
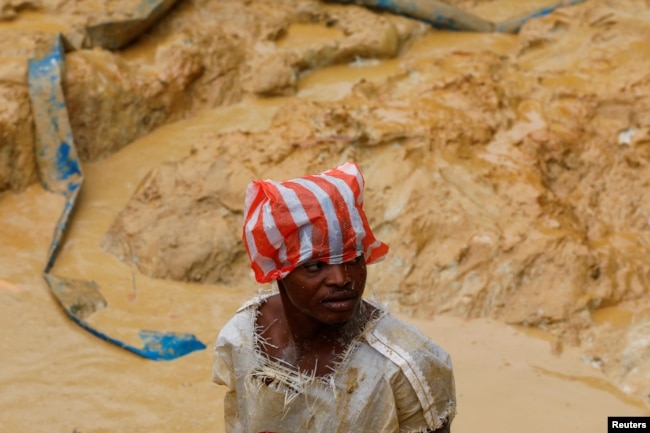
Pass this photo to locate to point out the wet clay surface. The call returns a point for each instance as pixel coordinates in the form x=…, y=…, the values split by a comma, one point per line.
x=506, y=172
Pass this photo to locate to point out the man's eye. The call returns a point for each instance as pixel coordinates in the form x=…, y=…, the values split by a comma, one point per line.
x=314, y=266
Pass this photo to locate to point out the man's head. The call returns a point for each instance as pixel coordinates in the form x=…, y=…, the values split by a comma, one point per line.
x=312, y=218
x=328, y=293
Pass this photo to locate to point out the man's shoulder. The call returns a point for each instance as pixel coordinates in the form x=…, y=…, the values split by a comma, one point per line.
x=425, y=364
x=391, y=325
x=396, y=338
x=241, y=325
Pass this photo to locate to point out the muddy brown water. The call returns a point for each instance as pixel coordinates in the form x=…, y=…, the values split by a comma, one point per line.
x=56, y=377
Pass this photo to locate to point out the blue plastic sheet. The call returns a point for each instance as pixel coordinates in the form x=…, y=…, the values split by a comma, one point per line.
x=444, y=16
x=436, y=13
x=60, y=171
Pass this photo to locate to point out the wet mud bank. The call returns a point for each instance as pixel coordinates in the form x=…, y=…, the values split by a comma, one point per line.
x=509, y=184
x=508, y=173
x=200, y=55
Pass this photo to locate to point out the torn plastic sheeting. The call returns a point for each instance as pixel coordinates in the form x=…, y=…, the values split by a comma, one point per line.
x=60, y=172
x=512, y=25
x=436, y=13
x=113, y=35
x=445, y=16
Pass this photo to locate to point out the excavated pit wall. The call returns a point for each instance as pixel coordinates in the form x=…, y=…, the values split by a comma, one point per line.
x=210, y=54
x=509, y=185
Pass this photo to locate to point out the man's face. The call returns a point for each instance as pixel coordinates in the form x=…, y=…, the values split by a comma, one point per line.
x=330, y=294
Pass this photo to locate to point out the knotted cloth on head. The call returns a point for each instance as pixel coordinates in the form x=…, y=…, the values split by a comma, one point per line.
x=315, y=217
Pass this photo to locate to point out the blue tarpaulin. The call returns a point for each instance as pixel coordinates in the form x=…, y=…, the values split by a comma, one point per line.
x=444, y=16
x=60, y=172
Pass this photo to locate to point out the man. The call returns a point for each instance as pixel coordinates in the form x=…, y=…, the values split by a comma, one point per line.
x=316, y=356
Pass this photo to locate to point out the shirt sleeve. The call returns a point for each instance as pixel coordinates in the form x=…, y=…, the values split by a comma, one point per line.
x=223, y=373
x=409, y=410
x=234, y=335
x=427, y=369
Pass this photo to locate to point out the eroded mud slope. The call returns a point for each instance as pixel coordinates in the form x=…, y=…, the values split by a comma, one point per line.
x=511, y=186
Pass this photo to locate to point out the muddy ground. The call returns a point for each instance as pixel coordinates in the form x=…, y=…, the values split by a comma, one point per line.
x=509, y=175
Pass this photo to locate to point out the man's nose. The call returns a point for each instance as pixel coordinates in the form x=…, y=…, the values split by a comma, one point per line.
x=338, y=274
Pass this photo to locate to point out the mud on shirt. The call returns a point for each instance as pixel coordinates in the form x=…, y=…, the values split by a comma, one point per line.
x=391, y=379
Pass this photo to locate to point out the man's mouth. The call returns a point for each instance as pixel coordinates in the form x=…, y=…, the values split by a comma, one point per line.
x=340, y=302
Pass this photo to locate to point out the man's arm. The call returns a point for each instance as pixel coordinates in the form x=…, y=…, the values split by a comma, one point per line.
x=411, y=417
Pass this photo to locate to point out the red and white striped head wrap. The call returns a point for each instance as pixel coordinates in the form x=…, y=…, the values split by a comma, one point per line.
x=317, y=217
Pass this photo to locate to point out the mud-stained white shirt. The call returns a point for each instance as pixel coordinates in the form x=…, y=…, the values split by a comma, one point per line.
x=391, y=379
